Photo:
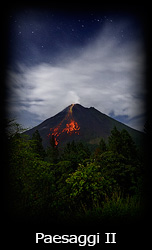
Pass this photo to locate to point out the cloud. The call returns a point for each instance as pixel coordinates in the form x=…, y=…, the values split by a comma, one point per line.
x=107, y=74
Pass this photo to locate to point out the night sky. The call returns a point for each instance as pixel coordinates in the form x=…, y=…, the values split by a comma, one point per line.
x=60, y=57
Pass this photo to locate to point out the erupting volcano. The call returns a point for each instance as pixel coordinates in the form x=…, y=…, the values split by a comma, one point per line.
x=80, y=124
x=67, y=125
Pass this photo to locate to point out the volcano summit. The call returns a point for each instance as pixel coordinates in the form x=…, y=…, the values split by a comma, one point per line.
x=80, y=124
x=67, y=125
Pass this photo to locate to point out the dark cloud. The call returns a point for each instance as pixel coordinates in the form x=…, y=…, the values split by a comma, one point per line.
x=107, y=72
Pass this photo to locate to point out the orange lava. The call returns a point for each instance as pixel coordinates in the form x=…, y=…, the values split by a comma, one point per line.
x=71, y=127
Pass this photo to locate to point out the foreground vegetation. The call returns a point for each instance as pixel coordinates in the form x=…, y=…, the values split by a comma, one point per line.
x=75, y=183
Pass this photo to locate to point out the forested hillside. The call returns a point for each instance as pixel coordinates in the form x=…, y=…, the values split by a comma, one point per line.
x=77, y=182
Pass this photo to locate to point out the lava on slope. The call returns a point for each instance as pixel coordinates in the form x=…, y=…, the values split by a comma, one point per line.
x=67, y=125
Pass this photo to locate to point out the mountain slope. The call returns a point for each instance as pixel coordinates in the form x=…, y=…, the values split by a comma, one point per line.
x=80, y=124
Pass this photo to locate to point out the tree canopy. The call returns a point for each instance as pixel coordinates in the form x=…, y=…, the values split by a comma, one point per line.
x=73, y=180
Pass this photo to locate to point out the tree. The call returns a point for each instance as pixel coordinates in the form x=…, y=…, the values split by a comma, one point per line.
x=102, y=145
x=100, y=149
x=118, y=167
x=13, y=129
x=114, y=141
x=122, y=143
x=37, y=146
x=89, y=187
x=128, y=147
x=61, y=172
x=30, y=179
x=76, y=153
x=52, y=151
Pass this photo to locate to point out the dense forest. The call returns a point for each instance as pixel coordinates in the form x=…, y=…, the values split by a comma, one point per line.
x=77, y=182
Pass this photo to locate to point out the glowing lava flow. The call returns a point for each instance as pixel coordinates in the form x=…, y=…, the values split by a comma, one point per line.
x=71, y=126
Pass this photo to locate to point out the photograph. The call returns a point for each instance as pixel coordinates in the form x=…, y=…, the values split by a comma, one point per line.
x=76, y=126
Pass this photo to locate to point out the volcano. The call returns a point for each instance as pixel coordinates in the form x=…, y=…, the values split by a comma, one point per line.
x=80, y=124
